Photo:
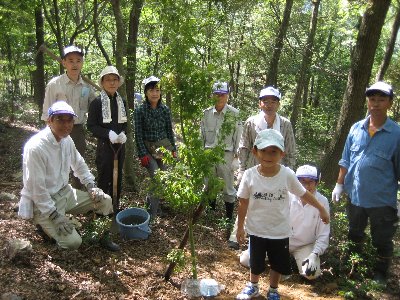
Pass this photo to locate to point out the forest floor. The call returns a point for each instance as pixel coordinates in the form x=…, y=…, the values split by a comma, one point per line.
x=136, y=272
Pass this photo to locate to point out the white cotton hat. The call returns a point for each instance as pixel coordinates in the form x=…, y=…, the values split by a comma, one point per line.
x=220, y=88
x=147, y=80
x=308, y=171
x=110, y=70
x=72, y=49
x=380, y=86
x=269, y=137
x=61, y=108
x=270, y=91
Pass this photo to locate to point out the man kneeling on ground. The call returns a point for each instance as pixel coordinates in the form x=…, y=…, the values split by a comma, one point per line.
x=46, y=195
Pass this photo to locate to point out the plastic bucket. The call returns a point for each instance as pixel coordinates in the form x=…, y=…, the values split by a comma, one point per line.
x=133, y=224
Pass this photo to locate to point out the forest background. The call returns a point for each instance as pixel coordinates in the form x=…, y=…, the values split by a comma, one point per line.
x=320, y=54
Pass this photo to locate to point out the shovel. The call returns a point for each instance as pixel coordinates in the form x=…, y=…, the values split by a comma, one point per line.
x=115, y=200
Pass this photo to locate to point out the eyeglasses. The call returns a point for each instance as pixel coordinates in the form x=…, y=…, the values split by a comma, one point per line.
x=269, y=101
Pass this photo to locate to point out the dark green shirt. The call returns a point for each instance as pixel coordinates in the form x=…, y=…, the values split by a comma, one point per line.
x=152, y=124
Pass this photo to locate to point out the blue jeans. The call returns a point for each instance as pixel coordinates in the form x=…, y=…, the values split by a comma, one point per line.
x=383, y=226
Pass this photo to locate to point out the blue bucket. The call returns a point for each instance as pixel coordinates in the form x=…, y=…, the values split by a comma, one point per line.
x=133, y=224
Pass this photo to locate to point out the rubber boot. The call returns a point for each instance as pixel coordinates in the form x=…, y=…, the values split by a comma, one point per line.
x=106, y=242
x=381, y=269
x=229, y=210
x=213, y=204
x=153, y=204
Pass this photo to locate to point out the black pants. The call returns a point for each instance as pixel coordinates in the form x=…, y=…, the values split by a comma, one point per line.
x=105, y=165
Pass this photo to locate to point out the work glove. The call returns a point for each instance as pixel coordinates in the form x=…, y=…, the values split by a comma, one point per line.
x=337, y=192
x=96, y=194
x=145, y=160
x=309, y=265
x=122, y=138
x=113, y=137
x=63, y=225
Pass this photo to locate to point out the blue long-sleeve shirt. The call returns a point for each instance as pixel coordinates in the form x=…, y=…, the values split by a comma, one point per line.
x=373, y=164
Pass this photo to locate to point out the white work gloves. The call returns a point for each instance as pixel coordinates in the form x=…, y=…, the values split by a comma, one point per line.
x=113, y=137
x=337, y=192
x=117, y=138
x=309, y=265
x=96, y=194
x=64, y=226
x=122, y=138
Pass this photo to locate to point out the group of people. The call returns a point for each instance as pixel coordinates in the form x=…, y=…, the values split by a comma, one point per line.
x=280, y=210
x=50, y=155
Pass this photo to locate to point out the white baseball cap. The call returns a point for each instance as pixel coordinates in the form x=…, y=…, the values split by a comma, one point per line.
x=269, y=137
x=72, y=49
x=307, y=171
x=147, y=80
x=270, y=91
x=61, y=108
x=220, y=88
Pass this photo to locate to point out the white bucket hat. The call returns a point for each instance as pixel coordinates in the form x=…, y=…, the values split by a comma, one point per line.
x=110, y=70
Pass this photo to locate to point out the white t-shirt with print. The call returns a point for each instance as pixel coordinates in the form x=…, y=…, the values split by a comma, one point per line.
x=268, y=210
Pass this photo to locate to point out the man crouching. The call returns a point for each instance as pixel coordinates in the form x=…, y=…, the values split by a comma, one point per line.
x=46, y=195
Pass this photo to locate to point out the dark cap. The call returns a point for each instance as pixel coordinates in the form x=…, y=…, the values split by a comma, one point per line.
x=381, y=87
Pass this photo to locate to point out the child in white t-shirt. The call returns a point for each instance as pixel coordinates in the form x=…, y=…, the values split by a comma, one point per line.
x=264, y=203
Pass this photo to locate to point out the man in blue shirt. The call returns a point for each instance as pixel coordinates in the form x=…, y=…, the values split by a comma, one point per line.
x=369, y=174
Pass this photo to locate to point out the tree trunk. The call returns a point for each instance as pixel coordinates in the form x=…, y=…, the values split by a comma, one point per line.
x=96, y=32
x=272, y=75
x=353, y=106
x=389, y=48
x=305, y=65
x=38, y=78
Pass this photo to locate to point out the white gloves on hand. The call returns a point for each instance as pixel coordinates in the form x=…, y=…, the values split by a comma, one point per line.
x=309, y=265
x=113, y=137
x=96, y=194
x=122, y=138
x=337, y=192
x=63, y=225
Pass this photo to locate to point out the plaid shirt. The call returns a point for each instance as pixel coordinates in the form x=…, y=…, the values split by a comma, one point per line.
x=152, y=125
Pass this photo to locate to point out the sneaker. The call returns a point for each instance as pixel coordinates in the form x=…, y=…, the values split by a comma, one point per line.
x=273, y=296
x=248, y=292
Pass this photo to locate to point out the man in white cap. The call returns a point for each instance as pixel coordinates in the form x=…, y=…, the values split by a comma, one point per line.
x=267, y=118
x=369, y=174
x=309, y=236
x=213, y=134
x=71, y=88
x=46, y=196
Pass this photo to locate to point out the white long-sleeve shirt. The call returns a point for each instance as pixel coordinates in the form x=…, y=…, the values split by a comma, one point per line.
x=307, y=226
x=46, y=167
